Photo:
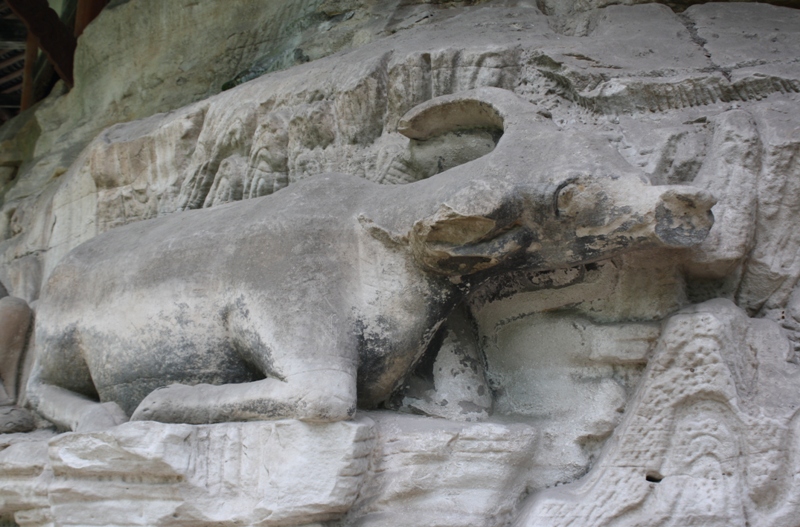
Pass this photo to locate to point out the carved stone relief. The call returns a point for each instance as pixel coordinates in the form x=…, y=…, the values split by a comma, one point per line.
x=497, y=264
x=15, y=319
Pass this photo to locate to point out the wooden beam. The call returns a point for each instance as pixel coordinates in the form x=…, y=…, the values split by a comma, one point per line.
x=14, y=88
x=32, y=49
x=12, y=60
x=55, y=39
x=8, y=45
x=11, y=76
x=86, y=11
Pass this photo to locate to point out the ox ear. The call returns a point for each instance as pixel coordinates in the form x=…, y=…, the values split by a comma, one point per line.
x=450, y=227
x=478, y=228
x=383, y=235
x=456, y=244
x=438, y=241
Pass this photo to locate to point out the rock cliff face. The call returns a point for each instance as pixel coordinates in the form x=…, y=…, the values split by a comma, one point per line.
x=658, y=387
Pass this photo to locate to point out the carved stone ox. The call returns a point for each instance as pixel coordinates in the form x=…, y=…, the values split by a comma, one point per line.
x=323, y=296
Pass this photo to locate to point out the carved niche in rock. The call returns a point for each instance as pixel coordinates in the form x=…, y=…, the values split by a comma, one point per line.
x=323, y=296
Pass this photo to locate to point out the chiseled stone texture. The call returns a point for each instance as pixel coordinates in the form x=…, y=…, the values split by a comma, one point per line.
x=339, y=114
x=657, y=419
x=146, y=56
x=258, y=473
x=25, y=475
x=225, y=295
x=436, y=472
x=710, y=438
x=384, y=468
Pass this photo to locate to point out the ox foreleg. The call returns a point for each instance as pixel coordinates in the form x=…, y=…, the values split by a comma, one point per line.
x=323, y=395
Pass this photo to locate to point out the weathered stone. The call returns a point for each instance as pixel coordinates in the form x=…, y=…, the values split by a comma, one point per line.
x=276, y=473
x=451, y=384
x=231, y=474
x=15, y=320
x=589, y=414
x=706, y=439
x=731, y=169
x=773, y=264
x=24, y=474
x=570, y=378
x=751, y=38
x=15, y=419
x=241, y=342
x=433, y=471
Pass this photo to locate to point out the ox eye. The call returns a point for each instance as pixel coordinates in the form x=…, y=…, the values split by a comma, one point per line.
x=563, y=196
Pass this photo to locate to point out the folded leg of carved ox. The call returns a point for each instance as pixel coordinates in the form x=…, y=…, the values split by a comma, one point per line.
x=323, y=296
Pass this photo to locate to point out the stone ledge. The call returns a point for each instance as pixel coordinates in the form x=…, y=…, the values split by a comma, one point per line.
x=148, y=473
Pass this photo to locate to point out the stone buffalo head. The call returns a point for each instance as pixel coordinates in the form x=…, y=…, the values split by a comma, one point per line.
x=544, y=198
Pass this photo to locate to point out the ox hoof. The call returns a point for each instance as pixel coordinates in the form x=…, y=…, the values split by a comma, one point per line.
x=101, y=417
x=168, y=405
x=15, y=419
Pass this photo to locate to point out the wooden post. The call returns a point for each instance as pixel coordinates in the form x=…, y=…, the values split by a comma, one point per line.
x=55, y=39
x=31, y=51
x=86, y=11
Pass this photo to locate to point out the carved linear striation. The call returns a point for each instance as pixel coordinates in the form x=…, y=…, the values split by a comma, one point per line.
x=230, y=474
x=647, y=95
x=706, y=440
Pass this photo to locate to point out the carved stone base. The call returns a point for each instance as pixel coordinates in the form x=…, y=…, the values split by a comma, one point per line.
x=378, y=467
x=147, y=473
x=24, y=477
x=438, y=472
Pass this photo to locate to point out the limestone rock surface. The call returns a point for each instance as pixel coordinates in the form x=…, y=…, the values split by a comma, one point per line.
x=710, y=437
x=652, y=388
x=338, y=114
x=379, y=469
x=25, y=476
x=214, y=315
x=452, y=474
x=230, y=474
x=15, y=322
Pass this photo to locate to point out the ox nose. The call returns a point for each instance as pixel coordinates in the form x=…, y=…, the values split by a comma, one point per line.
x=683, y=216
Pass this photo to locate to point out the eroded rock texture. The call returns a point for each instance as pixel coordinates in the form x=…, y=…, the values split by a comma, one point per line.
x=710, y=438
x=656, y=387
x=15, y=322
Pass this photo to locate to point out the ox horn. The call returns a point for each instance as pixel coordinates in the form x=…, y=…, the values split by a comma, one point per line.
x=479, y=108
